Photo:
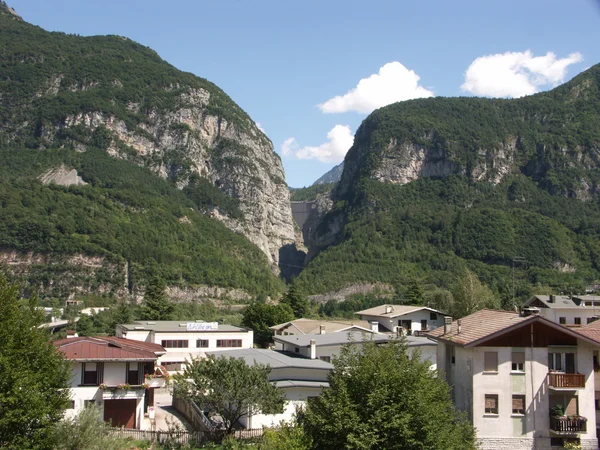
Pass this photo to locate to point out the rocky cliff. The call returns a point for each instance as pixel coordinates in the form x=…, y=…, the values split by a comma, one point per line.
x=109, y=92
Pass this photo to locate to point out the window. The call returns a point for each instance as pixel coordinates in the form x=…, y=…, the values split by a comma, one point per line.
x=562, y=320
x=325, y=358
x=589, y=320
x=133, y=374
x=229, y=343
x=597, y=404
x=518, y=404
x=201, y=343
x=432, y=316
x=518, y=362
x=72, y=404
x=490, y=362
x=91, y=374
x=491, y=404
x=172, y=366
x=555, y=362
x=577, y=321
x=174, y=343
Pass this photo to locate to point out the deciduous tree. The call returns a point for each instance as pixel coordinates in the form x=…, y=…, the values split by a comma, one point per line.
x=471, y=295
x=260, y=316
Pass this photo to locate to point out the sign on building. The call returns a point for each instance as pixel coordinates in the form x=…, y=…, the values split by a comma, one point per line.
x=202, y=326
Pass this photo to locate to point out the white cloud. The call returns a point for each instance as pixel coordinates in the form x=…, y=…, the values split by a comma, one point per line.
x=393, y=83
x=515, y=74
x=339, y=141
x=258, y=125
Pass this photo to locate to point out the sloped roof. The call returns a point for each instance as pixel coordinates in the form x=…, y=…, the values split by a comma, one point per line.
x=273, y=358
x=176, y=326
x=311, y=326
x=108, y=349
x=397, y=310
x=323, y=340
x=486, y=324
x=560, y=302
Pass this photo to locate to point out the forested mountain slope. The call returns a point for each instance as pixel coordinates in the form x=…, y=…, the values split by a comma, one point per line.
x=434, y=186
x=156, y=165
x=108, y=92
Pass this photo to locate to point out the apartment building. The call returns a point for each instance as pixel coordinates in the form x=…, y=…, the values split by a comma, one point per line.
x=406, y=318
x=524, y=381
x=565, y=310
x=185, y=340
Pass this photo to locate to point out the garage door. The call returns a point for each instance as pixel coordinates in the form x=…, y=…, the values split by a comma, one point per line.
x=120, y=413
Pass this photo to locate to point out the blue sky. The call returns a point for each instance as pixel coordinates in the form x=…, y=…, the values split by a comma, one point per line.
x=279, y=60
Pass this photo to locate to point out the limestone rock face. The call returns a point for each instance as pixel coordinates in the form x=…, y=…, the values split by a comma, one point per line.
x=187, y=140
x=62, y=176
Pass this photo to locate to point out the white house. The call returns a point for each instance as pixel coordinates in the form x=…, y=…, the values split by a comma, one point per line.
x=327, y=346
x=411, y=318
x=508, y=370
x=299, y=378
x=569, y=311
x=117, y=375
x=320, y=326
x=183, y=340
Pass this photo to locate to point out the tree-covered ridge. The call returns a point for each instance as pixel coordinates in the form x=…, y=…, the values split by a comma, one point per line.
x=125, y=213
x=310, y=192
x=47, y=76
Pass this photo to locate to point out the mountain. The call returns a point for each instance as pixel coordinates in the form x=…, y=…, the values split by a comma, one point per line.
x=150, y=160
x=333, y=176
x=434, y=186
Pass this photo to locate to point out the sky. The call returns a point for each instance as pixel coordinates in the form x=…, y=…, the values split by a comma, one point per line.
x=308, y=72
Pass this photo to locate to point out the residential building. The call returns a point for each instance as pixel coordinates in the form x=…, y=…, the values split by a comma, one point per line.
x=320, y=326
x=509, y=371
x=183, y=340
x=327, y=346
x=565, y=310
x=117, y=375
x=406, y=318
x=299, y=378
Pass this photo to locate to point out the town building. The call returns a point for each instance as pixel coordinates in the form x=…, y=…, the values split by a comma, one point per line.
x=183, y=340
x=299, y=378
x=524, y=381
x=320, y=326
x=407, y=319
x=327, y=346
x=116, y=375
x=565, y=310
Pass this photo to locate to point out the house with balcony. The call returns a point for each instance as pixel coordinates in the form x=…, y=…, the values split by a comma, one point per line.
x=524, y=381
x=320, y=326
x=571, y=311
x=408, y=319
x=182, y=340
x=117, y=375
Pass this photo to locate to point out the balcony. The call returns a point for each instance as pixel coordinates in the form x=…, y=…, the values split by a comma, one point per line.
x=566, y=381
x=566, y=425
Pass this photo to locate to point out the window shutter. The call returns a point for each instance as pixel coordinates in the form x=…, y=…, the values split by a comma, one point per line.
x=490, y=402
x=518, y=403
x=490, y=363
x=518, y=357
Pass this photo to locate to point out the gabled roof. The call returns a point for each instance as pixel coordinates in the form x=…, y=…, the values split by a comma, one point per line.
x=108, y=349
x=591, y=330
x=487, y=324
x=559, y=302
x=396, y=310
x=311, y=326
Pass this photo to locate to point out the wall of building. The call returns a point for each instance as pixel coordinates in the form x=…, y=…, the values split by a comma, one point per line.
x=80, y=395
x=295, y=373
x=414, y=317
x=554, y=314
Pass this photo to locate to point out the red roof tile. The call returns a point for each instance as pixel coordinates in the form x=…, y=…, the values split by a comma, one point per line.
x=107, y=348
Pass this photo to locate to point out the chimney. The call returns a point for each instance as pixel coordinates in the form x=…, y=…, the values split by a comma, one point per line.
x=322, y=329
x=551, y=298
x=375, y=327
x=388, y=309
x=459, y=322
x=313, y=349
x=447, y=324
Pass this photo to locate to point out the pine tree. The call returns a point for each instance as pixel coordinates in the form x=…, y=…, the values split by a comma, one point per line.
x=156, y=304
x=296, y=300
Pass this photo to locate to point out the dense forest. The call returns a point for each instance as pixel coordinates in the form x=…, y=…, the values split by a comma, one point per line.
x=537, y=229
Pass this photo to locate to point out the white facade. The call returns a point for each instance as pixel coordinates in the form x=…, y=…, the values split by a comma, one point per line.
x=420, y=320
x=464, y=370
x=181, y=344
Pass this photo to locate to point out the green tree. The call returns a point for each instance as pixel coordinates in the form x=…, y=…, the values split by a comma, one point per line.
x=414, y=293
x=379, y=398
x=156, y=304
x=260, y=316
x=440, y=299
x=35, y=377
x=471, y=295
x=230, y=388
x=297, y=300
x=86, y=431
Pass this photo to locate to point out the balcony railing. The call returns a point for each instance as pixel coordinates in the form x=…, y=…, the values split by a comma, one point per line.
x=566, y=380
x=566, y=425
